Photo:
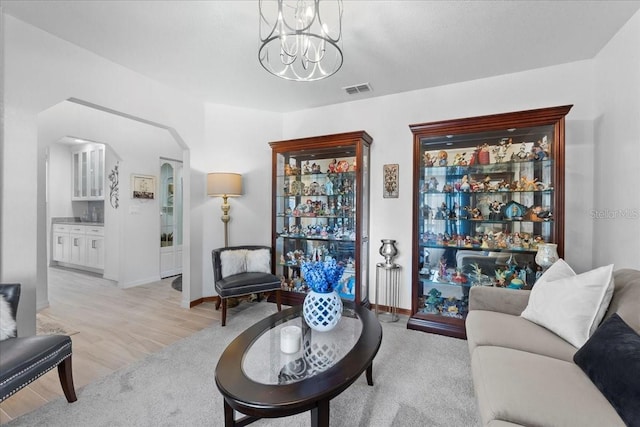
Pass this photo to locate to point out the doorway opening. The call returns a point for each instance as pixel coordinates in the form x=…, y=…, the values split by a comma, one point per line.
x=131, y=240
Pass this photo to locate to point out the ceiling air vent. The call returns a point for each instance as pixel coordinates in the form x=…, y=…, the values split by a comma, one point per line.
x=360, y=88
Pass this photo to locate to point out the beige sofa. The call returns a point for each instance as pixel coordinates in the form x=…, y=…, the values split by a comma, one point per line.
x=524, y=374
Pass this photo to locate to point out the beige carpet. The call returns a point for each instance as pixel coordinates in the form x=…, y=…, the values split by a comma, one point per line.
x=420, y=379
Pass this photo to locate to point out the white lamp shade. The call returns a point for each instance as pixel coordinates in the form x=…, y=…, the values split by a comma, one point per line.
x=224, y=184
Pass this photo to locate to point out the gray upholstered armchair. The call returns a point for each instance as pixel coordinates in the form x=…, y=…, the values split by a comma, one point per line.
x=25, y=359
x=243, y=270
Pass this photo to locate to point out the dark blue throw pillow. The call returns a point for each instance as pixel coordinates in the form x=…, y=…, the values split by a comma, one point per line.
x=611, y=359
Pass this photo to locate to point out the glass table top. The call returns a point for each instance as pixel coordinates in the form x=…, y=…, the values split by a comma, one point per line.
x=265, y=362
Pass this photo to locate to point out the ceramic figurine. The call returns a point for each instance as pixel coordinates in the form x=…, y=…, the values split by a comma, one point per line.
x=485, y=185
x=332, y=166
x=459, y=160
x=429, y=160
x=500, y=151
x=521, y=155
x=527, y=184
x=495, y=209
x=442, y=158
x=432, y=185
x=464, y=185
x=458, y=277
x=342, y=166
x=516, y=283
x=328, y=187
x=442, y=269
x=537, y=153
x=476, y=214
x=544, y=144
x=442, y=211
x=501, y=277
x=306, y=169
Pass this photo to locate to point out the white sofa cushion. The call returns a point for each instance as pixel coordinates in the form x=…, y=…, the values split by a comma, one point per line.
x=572, y=306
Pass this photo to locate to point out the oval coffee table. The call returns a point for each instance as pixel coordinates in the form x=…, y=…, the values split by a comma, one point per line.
x=259, y=381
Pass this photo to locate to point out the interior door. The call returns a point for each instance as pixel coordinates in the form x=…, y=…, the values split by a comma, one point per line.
x=170, y=218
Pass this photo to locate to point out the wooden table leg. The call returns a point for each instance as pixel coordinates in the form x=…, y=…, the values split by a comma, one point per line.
x=320, y=414
x=228, y=415
x=370, y=374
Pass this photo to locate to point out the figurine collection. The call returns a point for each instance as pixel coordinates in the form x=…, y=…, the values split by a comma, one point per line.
x=504, y=151
x=458, y=190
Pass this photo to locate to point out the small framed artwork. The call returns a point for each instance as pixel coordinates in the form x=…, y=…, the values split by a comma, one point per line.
x=143, y=186
x=390, y=190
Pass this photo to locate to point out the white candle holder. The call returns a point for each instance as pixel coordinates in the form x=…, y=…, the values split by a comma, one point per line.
x=290, y=339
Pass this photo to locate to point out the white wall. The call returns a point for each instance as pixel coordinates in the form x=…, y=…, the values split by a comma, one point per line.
x=59, y=199
x=616, y=211
x=238, y=142
x=387, y=120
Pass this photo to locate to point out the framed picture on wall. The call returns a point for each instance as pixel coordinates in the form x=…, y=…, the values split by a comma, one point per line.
x=143, y=186
x=390, y=183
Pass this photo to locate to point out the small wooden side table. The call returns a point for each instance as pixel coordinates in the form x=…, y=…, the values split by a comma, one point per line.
x=391, y=283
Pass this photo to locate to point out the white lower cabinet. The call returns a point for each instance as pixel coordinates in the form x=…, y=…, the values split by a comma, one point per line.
x=79, y=246
x=61, y=249
x=94, y=247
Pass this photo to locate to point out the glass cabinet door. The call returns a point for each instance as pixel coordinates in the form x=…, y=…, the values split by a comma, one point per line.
x=315, y=217
x=364, y=221
x=87, y=170
x=320, y=211
x=166, y=205
x=75, y=174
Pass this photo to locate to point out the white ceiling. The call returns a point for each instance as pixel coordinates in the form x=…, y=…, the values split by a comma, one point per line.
x=209, y=48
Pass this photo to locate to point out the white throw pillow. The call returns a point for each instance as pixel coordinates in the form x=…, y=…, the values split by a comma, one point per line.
x=233, y=262
x=558, y=270
x=571, y=306
x=7, y=322
x=259, y=261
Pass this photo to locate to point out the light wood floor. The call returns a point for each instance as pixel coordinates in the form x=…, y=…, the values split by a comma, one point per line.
x=115, y=328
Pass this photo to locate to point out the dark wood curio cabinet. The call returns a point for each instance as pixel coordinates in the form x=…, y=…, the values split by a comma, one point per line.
x=487, y=191
x=320, y=200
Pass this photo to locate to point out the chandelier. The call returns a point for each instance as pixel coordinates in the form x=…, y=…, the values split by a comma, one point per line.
x=300, y=40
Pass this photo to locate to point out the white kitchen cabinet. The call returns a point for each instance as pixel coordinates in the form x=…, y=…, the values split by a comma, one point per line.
x=87, y=172
x=78, y=246
x=61, y=243
x=94, y=256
